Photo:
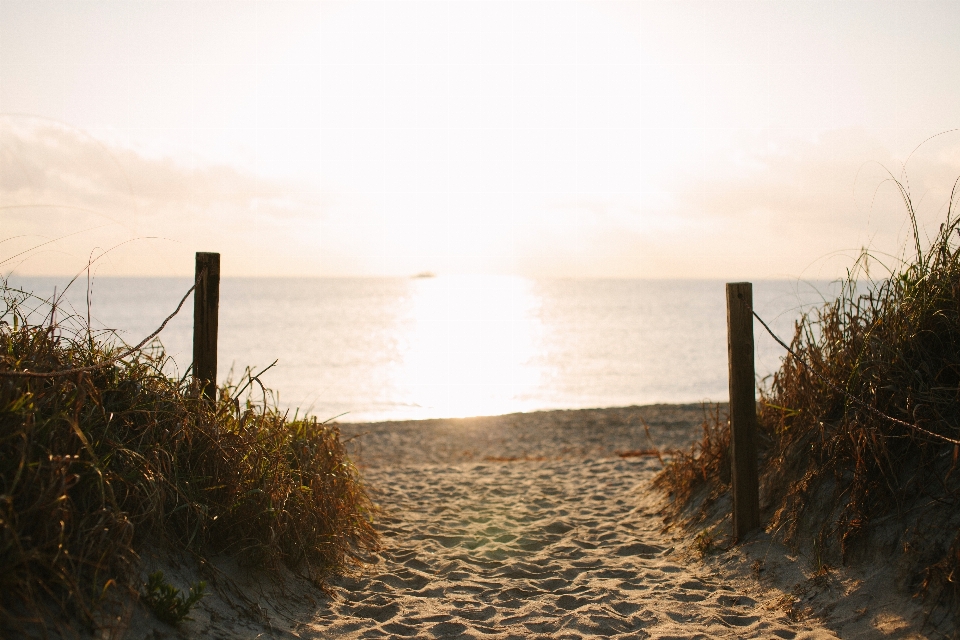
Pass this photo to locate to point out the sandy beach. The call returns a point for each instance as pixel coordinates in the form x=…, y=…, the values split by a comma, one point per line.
x=544, y=525
x=533, y=525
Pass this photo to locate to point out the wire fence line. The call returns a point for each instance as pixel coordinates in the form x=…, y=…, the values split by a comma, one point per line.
x=109, y=361
x=852, y=398
x=808, y=367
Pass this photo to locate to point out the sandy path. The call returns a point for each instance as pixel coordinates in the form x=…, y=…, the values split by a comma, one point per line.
x=562, y=542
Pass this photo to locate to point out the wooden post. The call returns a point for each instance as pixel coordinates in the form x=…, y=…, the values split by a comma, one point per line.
x=206, y=310
x=743, y=409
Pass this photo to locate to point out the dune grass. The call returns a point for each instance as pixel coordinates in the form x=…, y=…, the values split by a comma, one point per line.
x=859, y=427
x=96, y=465
x=705, y=464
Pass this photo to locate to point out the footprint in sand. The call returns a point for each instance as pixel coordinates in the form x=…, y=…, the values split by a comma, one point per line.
x=532, y=549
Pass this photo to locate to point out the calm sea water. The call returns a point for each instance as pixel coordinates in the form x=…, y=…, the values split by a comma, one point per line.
x=453, y=346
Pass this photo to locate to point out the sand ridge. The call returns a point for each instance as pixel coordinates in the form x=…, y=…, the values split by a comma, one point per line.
x=519, y=526
x=578, y=433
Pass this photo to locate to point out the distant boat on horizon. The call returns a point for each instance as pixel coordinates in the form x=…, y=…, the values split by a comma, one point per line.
x=425, y=274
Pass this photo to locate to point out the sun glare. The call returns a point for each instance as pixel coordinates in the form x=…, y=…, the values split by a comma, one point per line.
x=470, y=345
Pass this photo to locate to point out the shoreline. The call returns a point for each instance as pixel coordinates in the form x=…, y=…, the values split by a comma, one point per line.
x=554, y=434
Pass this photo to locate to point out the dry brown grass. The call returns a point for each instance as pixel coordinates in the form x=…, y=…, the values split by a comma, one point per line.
x=639, y=453
x=95, y=465
x=858, y=426
x=706, y=465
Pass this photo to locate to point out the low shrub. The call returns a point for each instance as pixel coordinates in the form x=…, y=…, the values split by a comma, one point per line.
x=96, y=464
x=706, y=465
x=860, y=427
x=167, y=602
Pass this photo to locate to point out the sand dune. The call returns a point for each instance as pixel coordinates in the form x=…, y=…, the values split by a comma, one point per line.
x=543, y=525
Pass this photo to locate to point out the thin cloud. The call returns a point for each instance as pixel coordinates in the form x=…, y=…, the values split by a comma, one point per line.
x=802, y=206
x=58, y=182
x=787, y=208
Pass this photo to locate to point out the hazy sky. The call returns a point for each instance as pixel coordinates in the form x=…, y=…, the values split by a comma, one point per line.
x=637, y=139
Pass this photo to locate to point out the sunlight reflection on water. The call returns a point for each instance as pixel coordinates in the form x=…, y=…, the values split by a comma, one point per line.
x=469, y=345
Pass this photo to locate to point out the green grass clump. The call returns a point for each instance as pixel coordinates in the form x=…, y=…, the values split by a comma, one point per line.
x=837, y=473
x=96, y=465
x=167, y=602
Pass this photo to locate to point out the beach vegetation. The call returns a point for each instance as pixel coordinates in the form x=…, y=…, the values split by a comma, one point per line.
x=167, y=602
x=860, y=426
x=705, y=543
x=101, y=464
x=701, y=473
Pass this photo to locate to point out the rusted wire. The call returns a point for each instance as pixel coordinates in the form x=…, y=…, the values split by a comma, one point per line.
x=854, y=399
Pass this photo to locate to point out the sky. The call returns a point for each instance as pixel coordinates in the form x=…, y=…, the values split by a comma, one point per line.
x=716, y=139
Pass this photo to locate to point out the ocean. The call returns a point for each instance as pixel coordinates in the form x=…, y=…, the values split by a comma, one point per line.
x=369, y=349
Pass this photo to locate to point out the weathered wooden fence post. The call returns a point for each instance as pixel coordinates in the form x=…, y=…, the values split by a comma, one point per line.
x=206, y=309
x=743, y=409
